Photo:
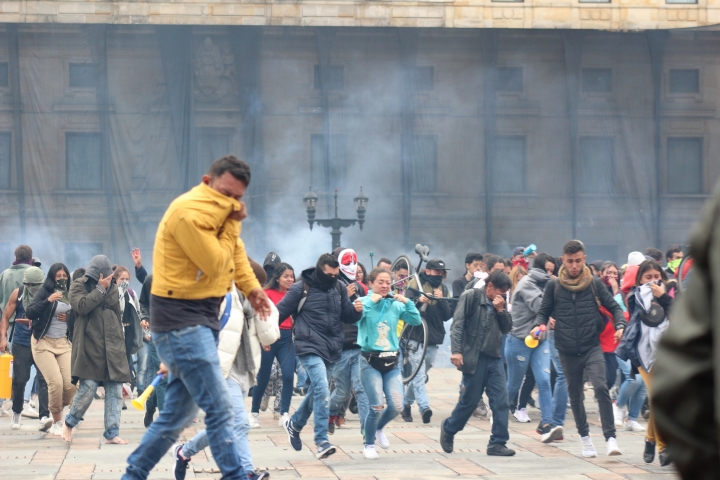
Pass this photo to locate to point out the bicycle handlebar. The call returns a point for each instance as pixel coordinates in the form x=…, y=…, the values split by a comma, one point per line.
x=432, y=297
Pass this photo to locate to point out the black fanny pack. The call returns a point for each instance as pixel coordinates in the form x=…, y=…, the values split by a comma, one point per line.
x=382, y=361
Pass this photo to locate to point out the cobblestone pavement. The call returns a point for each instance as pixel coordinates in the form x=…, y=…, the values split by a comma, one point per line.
x=414, y=452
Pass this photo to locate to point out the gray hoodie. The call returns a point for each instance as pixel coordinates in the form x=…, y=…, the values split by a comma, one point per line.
x=526, y=301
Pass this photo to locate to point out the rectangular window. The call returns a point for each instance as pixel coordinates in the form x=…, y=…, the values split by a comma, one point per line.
x=78, y=255
x=508, y=170
x=510, y=79
x=83, y=159
x=337, y=161
x=4, y=78
x=335, y=77
x=597, y=165
x=210, y=147
x=423, y=171
x=685, y=165
x=597, y=80
x=685, y=80
x=82, y=75
x=5, y=160
x=423, y=78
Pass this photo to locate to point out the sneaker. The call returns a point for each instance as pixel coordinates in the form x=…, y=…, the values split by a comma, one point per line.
x=370, y=453
x=381, y=439
x=325, y=450
x=293, y=435
x=29, y=411
x=15, y=422
x=406, y=414
x=340, y=422
x=331, y=424
x=588, y=449
x=649, y=453
x=258, y=475
x=426, y=414
x=521, y=415
x=633, y=426
x=45, y=424
x=500, y=451
x=446, y=440
x=619, y=414
x=148, y=419
x=56, y=428
x=284, y=418
x=551, y=433
x=264, y=403
x=181, y=464
x=481, y=410
x=664, y=458
x=612, y=447
x=254, y=419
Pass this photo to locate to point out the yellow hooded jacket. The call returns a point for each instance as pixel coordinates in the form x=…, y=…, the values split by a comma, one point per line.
x=198, y=251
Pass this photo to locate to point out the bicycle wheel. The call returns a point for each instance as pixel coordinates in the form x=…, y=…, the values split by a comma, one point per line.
x=408, y=372
x=399, y=278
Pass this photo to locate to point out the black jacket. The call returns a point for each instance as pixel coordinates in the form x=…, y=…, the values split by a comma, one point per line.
x=578, y=322
x=350, y=330
x=436, y=314
x=318, y=329
x=144, y=299
x=40, y=311
x=477, y=328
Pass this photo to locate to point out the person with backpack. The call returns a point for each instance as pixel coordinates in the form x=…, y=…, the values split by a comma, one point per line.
x=479, y=322
x=319, y=304
x=51, y=346
x=574, y=299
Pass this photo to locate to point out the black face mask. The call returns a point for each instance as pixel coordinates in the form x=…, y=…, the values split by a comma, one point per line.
x=434, y=280
x=326, y=281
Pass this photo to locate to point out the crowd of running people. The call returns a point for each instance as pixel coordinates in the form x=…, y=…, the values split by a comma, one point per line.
x=219, y=327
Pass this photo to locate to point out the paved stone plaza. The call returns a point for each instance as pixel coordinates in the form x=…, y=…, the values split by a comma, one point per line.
x=414, y=452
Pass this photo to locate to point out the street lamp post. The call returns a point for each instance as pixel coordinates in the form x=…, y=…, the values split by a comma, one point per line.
x=336, y=223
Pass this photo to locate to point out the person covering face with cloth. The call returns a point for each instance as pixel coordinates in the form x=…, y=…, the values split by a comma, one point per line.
x=379, y=366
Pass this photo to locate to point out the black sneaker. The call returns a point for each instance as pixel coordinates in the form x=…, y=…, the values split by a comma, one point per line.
x=258, y=475
x=649, y=454
x=149, y=414
x=446, y=441
x=293, y=436
x=406, y=414
x=325, y=450
x=181, y=464
x=426, y=414
x=539, y=428
x=500, y=451
x=551, y=433
x=664, y=458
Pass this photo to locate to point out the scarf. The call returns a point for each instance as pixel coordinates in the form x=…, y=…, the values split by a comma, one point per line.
x=577, y=284
x=62, y=286
x=434, y=280
x=31, y=275
x=324, y=281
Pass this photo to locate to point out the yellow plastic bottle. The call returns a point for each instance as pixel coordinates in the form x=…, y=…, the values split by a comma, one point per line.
x=6, y=363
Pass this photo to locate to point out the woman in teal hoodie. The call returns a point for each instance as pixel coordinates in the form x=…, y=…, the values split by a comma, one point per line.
x=379, y=370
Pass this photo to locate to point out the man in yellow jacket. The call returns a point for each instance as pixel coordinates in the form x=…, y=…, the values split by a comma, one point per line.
x=198, y=255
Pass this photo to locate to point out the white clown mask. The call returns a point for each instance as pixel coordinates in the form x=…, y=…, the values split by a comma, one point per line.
x=348, y=263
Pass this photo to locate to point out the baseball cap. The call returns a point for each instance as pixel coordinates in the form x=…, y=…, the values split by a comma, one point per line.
x=436, y=264
x=518, y=251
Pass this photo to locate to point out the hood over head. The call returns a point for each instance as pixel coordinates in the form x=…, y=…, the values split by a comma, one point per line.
x=100, y=264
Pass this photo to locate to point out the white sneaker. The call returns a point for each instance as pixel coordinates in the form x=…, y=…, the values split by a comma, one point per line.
x=370, y=453
x=588, y=449
x=16, y=421
x=45, y=423
x=29, y=412
x=521, y=415
x=612, y=447
x=284, y=418
x=381, y=439
x=254, y=420
x=56, y=428
x=633, y=426
x=619, y=414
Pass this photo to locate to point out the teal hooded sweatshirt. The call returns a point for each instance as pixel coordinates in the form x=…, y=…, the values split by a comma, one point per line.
x=377, y=329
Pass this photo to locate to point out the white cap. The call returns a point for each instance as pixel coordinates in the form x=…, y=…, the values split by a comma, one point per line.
x=635, y=258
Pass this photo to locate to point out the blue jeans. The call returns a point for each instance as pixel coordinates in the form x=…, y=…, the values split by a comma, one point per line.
x=519, y=357
x=142, y=368
x=303, y=381
x=284, y=350
x=346, y=375
x=380, y=387
x=489, y=376
x=113, y=405
x=195, y=379
x=416, y=388
x=317, y=399
x=560, y=394
x=242, y=426
x=632, y=391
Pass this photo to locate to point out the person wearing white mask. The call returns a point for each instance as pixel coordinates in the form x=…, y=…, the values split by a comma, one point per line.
x=130, y=314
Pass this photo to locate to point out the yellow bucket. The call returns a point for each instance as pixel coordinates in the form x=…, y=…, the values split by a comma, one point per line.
x=6, y=365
